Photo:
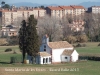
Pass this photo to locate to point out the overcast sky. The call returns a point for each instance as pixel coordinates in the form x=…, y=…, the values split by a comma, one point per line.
x=59, y=2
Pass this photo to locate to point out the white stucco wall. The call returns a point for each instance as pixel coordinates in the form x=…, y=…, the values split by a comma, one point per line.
x=56, y=54
x=63, y=58
x=41, y=60
x=74, y=56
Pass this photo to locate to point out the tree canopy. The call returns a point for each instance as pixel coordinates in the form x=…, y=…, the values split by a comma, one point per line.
x=32, y=40
x=28, y=38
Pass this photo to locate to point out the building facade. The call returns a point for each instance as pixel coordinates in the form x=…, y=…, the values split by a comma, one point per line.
x=60, y=51
x=62, y=11
x=12, y=16
x=94, y=9
x=54, y=11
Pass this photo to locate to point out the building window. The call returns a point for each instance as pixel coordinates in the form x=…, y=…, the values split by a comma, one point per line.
x=46, y=60
x=44, y=49
x=65, y=57
x=44, y=46
x=49, y=59
x=43, y=60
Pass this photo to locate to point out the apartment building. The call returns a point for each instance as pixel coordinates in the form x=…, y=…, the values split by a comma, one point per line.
x=12, y=16
x=54, y=11
x=78, y=10
x=94, y=9
x=67, y=10
x=61, y=11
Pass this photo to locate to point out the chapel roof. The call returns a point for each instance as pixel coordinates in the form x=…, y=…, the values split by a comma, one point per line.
x=67, y=52
x=59, y=44
x=43, y=54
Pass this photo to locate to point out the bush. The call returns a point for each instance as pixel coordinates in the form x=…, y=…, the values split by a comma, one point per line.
x=84, y=45
x=8, y=50
x=82, y=38
x=94, y=58
x=15, y=60
x=14, y=52
x=78, y=45
x=81, y=45
x=74, y=46
x=13, y=40
x=99, y=44
x=71, y=39
x=3, y=42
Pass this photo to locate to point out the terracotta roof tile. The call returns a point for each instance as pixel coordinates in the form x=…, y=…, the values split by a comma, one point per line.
x=55, y=8
x=77, y=7
x=7, y=10
x=66, y=7
x=67, y=52
x=59, y=44
x=43, y=54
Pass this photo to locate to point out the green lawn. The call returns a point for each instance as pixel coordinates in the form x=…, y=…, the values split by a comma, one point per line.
x=90, y=49
x=78, y=68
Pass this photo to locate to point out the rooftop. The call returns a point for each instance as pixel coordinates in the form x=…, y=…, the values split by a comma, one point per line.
x=60, y=44
x=77, y=7
x=67, y=52
x=66, y=7
x=55, y=8
x=43, y=54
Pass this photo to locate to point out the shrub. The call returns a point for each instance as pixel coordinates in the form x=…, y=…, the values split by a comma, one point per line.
x=78, y=45
x=71, y=39
x=99, y=44
x=74, y=46
x=14, y=52
x=3, y=42
x=81, y=45
x=82, y=38
x=8, y=50
x=84, y=45
x=13, y=40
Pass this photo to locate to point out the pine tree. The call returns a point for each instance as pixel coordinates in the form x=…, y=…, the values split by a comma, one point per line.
x=32, y=40
x=22, y=39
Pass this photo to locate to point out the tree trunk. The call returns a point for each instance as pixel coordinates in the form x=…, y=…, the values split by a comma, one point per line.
x=23, y=56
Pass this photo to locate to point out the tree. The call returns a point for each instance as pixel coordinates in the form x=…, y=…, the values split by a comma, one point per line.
x=42, y=7
x=66, y=27
x=92, y=26
x=2, y=3
x=22, y=39
x=6, y=6
x=50, y=26
x=32, y=39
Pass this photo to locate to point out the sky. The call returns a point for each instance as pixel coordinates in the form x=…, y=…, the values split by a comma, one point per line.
x=59, y=2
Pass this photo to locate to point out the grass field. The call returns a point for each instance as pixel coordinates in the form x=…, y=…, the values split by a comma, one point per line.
x=90, y=49
x=78, y=68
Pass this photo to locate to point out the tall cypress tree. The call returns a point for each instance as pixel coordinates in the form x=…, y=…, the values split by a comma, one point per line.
x=22, y=39
x=32, y=40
